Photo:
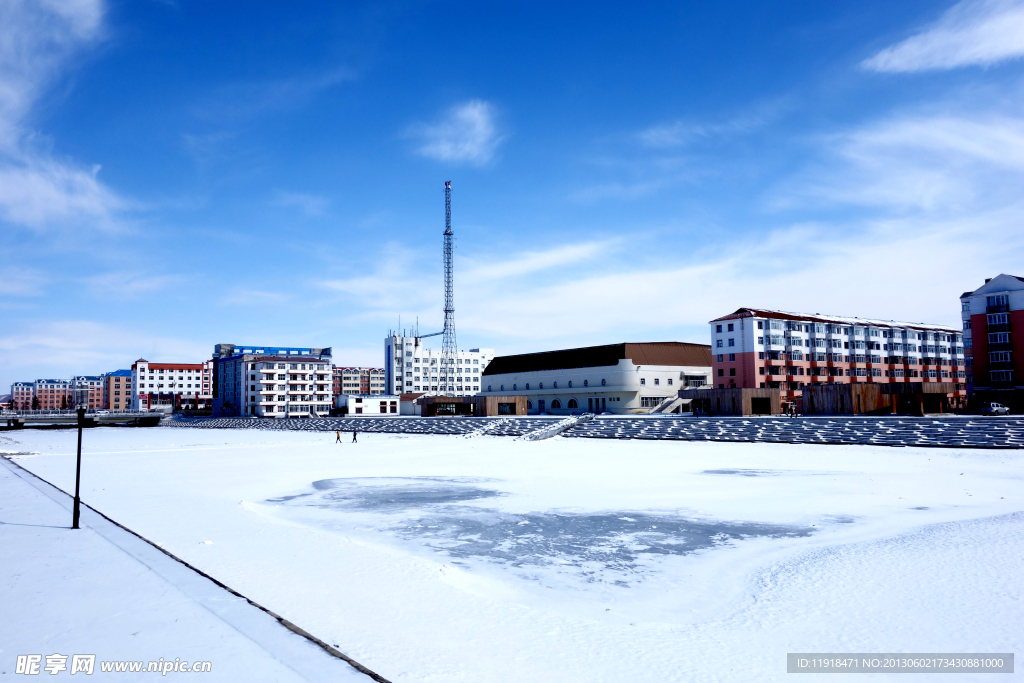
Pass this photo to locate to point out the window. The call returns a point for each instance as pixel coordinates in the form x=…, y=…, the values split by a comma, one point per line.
x=572, y=404
x=760, y=340
x=732, y=342
x=556, y=404
x=527, y=386
x=721, y=373
x=730, y=327
x=732, y=357
x=502, y=387
x=570, y=384
x=732, y=372
x=554, y=384
x=586, y=382
x=670, y=381
x=514, y=387
x=718, y=343
x=720, y=357
x=657, y=381
x=529, y=404
x=760, y=324
x=603, y=382
x=718, y=328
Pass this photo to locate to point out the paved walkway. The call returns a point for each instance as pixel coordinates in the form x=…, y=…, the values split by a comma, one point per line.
x=102, y=590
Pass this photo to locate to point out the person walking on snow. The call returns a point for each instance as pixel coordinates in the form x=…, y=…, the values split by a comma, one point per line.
x=354, y=436
x=337, y=436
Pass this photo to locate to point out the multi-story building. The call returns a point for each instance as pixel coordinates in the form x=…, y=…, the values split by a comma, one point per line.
x=169, y=386
x=54, y=394
x=22, y=394
x=410, y=367
x=993, y=317
x=264, y=381
x=358, y=381
x=117, y=390
x=758, y=348
x=617, y=378
x=89, y=390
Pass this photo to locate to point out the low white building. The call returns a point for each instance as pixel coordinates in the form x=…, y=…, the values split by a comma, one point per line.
x=367, y=404
x=617, y=378
x=410, y=367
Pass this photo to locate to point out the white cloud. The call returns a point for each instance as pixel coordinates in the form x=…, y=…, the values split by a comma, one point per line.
x=923, y=162
x=466, y=134
x=532, y=262
x=62, y=348
x=37, y=39
x=309, y=204
x=971, y=33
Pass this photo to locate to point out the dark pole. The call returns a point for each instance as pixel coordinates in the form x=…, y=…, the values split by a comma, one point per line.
x=78, y=469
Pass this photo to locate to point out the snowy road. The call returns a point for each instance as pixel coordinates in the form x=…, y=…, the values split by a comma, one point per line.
x=431, y=558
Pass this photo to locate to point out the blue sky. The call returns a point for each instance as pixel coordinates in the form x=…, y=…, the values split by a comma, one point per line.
x=178, y=174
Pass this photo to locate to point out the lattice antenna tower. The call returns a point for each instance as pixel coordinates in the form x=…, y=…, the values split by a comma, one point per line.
x=449, y=347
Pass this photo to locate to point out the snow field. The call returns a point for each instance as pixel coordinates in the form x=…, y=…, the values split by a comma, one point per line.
x=437, y=558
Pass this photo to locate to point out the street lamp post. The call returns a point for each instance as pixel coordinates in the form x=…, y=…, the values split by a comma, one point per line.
x=78, y=469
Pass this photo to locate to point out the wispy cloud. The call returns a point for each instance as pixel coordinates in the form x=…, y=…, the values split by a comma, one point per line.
x=467, y=133
x=242, y=100
x=971, y=33
x=124, y=285
x=61, y=348
x=19, y=281
x=924, y=162
x=245, y=296
x=309, y=204
x=37, y=40
x=533, y=261
x=680, y=132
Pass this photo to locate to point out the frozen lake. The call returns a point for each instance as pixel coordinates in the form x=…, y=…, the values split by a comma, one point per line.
x=443, y=558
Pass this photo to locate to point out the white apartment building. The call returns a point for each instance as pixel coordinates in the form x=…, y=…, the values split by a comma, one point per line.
x=411, y=367
x=359, y=381
x=615, y=378
x=166, y=386
x=275, y=382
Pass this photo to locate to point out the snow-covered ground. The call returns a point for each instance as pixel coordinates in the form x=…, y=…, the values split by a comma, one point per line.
x=433, y=558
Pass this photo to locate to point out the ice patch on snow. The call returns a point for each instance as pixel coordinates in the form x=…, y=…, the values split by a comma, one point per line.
x=608, y=546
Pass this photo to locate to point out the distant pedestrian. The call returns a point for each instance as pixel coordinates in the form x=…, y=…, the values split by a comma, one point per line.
x=354, y=436
x=337, y=436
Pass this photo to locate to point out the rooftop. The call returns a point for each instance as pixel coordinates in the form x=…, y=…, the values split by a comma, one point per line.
x=818, y=317
x=647, y=353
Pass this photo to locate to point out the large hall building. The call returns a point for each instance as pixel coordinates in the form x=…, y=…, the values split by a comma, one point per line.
x=615, y=378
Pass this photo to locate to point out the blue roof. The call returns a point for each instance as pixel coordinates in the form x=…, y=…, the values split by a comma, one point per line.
x=120, y=373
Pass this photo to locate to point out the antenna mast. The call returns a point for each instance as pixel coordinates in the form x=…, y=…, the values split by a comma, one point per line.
x=449, y=348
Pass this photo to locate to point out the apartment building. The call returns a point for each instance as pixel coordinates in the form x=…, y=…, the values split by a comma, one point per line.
x=358, y=381
x=54, y=394
x=170, y=386
x=89, y=390
x=758, y=348
x=272, y=381
x=117, y=390
x=615, y=378
x=22, y=394
x=410, y=367
x=993, y=320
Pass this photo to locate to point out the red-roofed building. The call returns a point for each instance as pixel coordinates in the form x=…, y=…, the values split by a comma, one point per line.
x=171, y=386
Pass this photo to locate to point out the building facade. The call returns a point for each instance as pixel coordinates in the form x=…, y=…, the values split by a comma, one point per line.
x=411, y=367
x=117, y=390
x=89, y=390
x=54, y=394
x=358, y=381
x=758, y=348
x=22, y=395
x=993, y=319
x=170, y=386
x=616, y=378
x=274, y=382
x=377, y=404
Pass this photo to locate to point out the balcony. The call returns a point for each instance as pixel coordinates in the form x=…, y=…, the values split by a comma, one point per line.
x=1004, y=327
x=1001, y=347
x=1001, y=308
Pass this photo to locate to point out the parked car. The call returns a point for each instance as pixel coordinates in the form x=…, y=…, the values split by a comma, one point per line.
x=994, y=409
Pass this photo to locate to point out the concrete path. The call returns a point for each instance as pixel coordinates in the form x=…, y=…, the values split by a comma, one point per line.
x=104, y=591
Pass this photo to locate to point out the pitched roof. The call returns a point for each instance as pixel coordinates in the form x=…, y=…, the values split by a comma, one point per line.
x=817, y=317
x=649, y=353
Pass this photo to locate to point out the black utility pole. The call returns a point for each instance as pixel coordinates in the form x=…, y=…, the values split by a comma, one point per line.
x=78, y=469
